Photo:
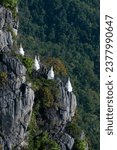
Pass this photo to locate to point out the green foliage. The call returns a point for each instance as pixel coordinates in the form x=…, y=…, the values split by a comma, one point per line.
x=45, y=143
x=27, y=62
x=32, y=132
x=39, y=140
x=47, y=97
x=68, y=30
x=58, y=65
x=80, y=145
x=10, y=4
x=47, y=92
x=74, y=130
x=3, y=78
x=9, y=29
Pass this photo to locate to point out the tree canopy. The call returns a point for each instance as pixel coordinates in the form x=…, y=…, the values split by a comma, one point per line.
x=68, y=30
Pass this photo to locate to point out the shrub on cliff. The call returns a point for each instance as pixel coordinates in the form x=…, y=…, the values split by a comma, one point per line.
x=27, y=62
x=3, y=78
x=59, y=67
x=39, y=140
x=80, y=145
x=9, y=3
x=47, y=92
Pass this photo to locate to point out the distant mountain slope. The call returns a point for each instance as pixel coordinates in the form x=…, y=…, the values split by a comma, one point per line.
x=68, y=29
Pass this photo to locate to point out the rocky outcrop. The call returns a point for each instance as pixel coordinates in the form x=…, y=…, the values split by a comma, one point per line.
x=16, y=102
x=7, y=26
x=67, y=102
x=56, y=118
x=16, y=95
x=65, y=113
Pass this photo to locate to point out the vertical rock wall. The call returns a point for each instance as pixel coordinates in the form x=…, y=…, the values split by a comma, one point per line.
x=16, y=95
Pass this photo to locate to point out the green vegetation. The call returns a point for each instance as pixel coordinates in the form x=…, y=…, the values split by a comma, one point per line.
x=80, y=145
x=47, y=97
x=10, y=29
x=27, y=62
x=58, y=65
x=10, y=4
x=3, y=78
x=68, y=30
x=45, y=92
x=39, y=140
x=74, y=130
x=33, y=131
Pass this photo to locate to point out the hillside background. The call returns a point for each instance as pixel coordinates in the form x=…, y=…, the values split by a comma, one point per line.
x=67, y=32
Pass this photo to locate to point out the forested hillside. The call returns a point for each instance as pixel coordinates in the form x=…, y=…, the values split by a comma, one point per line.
x=68, y=31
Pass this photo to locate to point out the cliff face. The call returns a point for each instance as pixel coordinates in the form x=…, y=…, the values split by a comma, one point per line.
x=7, y=23
x=57, y=116
x=17, y=97
x=63, y=115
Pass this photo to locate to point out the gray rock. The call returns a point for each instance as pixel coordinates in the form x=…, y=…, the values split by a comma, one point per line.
x=67, y=140
x=7, y=22
x=14, y=64
x=67, y=102
x=56, y=119
x=17, y=97
x=3, y=39
x=16, y=102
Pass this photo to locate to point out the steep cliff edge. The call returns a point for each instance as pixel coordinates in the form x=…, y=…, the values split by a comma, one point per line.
x=50, y=103
x=54, y=107
x=16, y=95
x=8, y=27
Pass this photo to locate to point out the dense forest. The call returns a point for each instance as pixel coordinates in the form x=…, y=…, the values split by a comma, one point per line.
x=67, y=32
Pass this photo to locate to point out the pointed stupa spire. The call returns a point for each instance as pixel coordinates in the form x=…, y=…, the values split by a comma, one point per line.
x=38, y=59
x=16, y=9
x=36, y=63
x=21, y=51
x=15, y=31
x=69, y=86
x=51, y=74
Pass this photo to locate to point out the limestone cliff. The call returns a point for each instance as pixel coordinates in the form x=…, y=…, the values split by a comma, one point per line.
x=56, y=114
x=16, y=95
x=8, y=26
x=17, y=99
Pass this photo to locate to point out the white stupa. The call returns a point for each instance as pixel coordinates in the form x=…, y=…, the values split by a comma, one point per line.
x=21, y=51
x=16, y=9
x=69, y=86
x=15, y=31
x=51, y=74
x=36, y=63
x=38, y=58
